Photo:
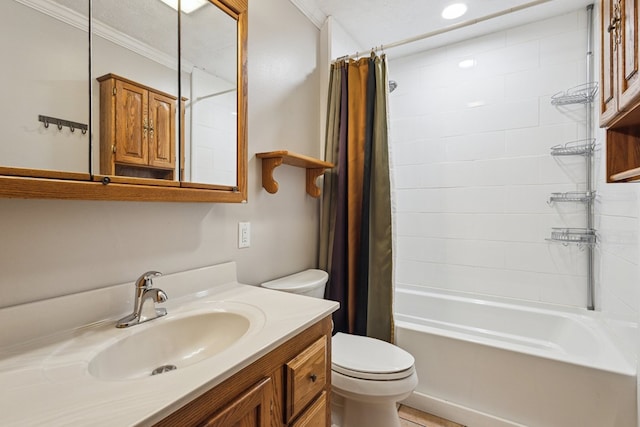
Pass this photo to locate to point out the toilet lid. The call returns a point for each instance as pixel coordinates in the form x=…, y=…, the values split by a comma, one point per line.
x=369, y=358
x=298, y=282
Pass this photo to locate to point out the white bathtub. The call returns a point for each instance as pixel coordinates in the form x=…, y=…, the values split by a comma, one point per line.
x=489, y=362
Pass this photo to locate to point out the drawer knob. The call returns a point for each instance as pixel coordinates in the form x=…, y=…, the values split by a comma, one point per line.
x=313, y=378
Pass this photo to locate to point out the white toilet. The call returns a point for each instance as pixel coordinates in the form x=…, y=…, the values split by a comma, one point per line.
x=368, y=376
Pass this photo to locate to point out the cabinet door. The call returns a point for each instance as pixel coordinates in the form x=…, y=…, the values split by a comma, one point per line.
x=628, y=79
x=608, y=105
x=316, y=415
x=131, y=124
x=162, y=131
x=250, y=409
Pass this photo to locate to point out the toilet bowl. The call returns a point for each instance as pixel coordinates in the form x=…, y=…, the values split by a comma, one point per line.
x=368, y=376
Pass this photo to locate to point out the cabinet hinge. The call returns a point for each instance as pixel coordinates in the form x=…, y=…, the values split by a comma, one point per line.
x=113, y=148
x=114, y=91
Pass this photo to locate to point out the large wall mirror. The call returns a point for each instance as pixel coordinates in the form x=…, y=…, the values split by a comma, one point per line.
x=143, y=102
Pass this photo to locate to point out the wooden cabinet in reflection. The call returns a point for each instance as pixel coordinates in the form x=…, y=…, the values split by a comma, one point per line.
x=137, y=130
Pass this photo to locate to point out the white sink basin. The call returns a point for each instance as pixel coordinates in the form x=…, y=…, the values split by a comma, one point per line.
x=166, y=344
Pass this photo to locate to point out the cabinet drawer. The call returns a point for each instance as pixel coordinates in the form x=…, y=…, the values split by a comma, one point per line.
x=315, y=415
x=306, y=377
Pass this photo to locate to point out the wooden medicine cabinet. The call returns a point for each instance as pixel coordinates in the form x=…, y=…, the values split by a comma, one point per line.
x=620, y=88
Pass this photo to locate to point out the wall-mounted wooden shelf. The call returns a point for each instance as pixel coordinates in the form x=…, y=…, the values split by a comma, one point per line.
x=623, y=150
x=630, y=175
x=273, y=159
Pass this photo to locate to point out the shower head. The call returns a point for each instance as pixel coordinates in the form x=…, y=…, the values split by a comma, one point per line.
x=392, y=85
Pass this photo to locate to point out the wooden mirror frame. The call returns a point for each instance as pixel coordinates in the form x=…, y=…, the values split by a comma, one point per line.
x=42, y=184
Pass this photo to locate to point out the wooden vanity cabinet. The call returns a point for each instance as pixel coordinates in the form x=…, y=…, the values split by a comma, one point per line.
x=137, y=129
x=288, y=387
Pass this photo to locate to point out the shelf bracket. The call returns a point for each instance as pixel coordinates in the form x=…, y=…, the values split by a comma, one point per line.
x=314, y=169
x=312, y=175
x=268, y=182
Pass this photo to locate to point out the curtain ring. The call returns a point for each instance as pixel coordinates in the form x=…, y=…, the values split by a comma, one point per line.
x=71, y=127
x=59, y=125
x=84, y=131
x=46, y=123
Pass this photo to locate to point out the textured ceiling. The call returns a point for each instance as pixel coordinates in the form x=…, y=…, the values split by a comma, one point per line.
x=380, y=22
x=208, y=37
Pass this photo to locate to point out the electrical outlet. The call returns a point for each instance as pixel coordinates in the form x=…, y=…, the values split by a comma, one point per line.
x=244, y=235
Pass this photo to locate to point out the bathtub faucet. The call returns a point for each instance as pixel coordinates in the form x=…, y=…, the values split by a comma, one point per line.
x=144, y=292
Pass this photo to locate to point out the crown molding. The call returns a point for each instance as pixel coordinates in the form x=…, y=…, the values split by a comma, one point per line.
x=311, y=11
x=79, y=21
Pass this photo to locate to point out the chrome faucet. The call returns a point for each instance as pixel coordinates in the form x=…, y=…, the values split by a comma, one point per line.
x=145, y=291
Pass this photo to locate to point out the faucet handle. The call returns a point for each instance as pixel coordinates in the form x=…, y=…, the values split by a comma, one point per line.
x=146, y=280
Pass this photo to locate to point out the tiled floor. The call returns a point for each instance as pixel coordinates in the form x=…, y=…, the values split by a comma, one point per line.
x=410, y=417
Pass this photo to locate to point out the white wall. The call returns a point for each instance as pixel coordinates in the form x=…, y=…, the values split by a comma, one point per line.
x=473, y=172
x=617, y=253
x=48, y=77
x=55, y=247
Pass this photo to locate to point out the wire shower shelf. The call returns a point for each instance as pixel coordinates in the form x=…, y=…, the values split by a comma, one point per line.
x=572, y=196
x=580, y=94
x=579, y=236
x=581, y=147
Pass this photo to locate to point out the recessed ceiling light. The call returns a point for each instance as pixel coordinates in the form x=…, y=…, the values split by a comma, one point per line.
x=454, y=11
x=187, y=6
x=474, y=104
x=467, y=63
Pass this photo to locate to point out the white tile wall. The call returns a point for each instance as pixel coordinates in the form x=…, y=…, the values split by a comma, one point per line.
x=473, y=172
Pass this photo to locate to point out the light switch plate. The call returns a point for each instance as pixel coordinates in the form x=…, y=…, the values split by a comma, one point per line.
x=244, y=235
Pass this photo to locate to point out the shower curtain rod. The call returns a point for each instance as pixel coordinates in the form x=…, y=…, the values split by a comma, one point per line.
x=445, y=30
x=211, y=95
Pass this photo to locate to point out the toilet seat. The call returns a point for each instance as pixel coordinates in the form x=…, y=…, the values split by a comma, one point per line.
x=369, y=358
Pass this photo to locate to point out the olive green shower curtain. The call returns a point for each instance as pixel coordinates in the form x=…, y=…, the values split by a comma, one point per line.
x=356, y=239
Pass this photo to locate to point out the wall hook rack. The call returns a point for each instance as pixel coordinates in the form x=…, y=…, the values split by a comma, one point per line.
x=63, y=123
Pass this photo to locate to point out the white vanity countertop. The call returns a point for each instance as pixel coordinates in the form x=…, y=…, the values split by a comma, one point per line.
x=45, y=381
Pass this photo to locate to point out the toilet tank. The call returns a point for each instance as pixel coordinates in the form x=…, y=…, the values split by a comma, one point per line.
x=309, y=282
